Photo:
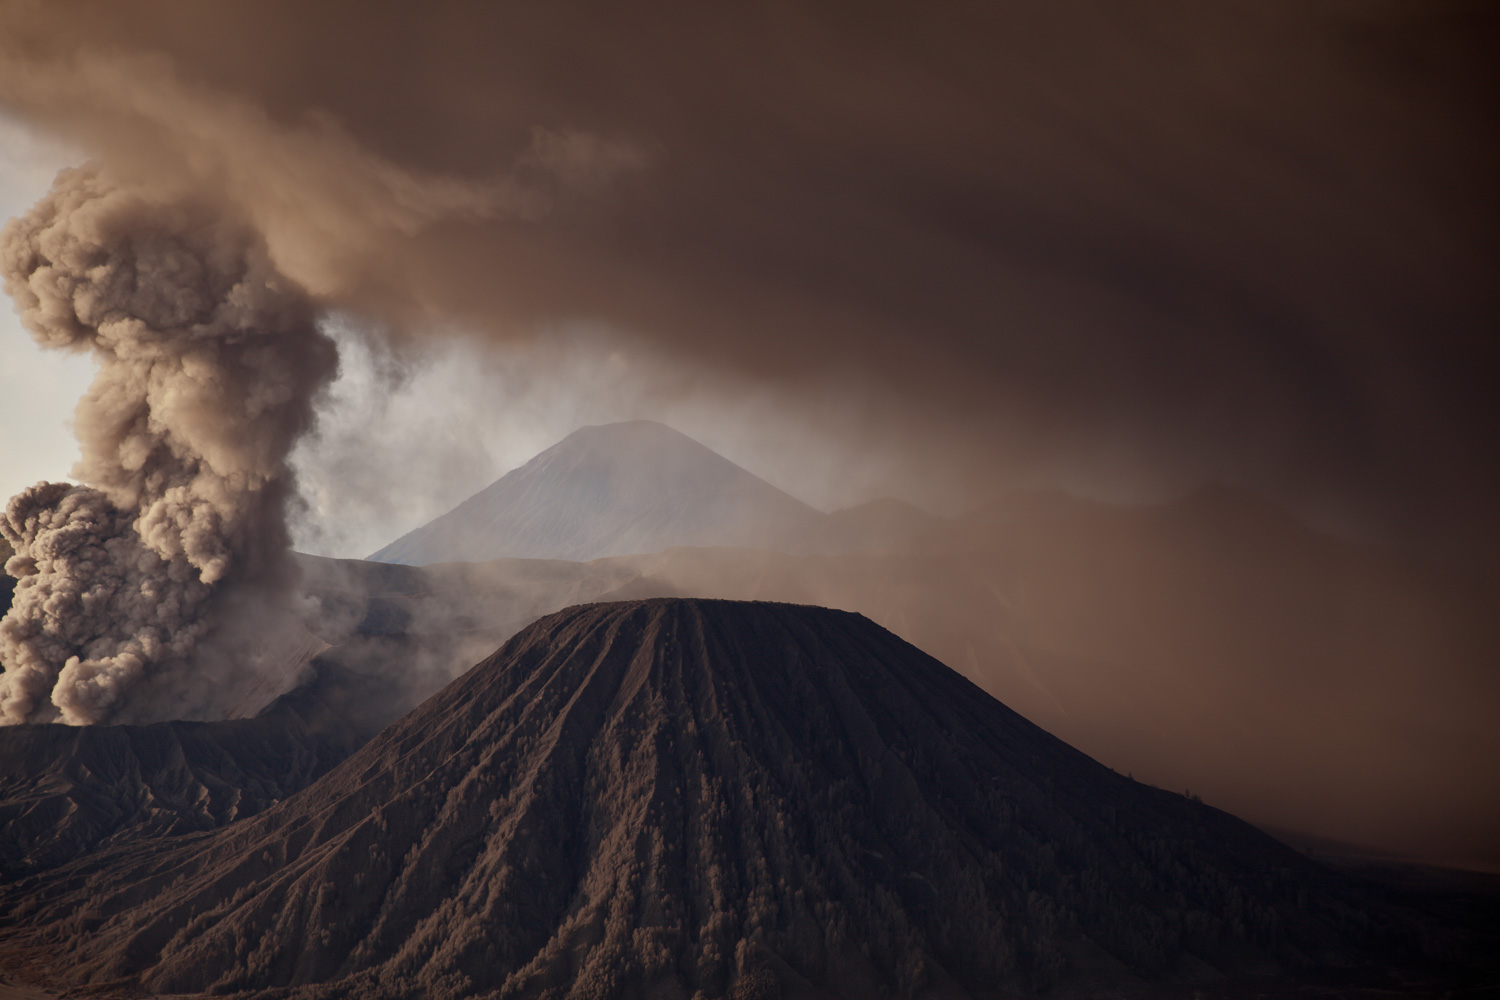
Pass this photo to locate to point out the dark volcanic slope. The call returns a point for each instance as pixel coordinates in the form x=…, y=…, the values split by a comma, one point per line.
x=617, y=489
x=67, y=790
x=667, y=796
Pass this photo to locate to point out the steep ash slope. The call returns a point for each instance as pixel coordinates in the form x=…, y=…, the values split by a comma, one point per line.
x=669, y=796
x=637, y=486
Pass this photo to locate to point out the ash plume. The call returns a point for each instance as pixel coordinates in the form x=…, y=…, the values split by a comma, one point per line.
x=208, y=363
x=198, y=285
x=1161, y=242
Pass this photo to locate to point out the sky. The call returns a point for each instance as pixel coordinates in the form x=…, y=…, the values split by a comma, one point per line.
x=401, y=440
x=1127, y=247
x=37, y=388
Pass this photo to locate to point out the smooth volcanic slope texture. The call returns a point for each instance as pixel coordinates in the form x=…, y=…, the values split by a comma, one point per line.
x=669, y=796
x=616, y=489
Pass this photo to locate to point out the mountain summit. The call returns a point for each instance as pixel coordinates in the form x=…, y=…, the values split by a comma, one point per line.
x=615, y=489
x=676, y=798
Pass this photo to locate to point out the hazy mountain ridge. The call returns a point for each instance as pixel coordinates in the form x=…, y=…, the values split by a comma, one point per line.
x=688, y=795
x=616, y=489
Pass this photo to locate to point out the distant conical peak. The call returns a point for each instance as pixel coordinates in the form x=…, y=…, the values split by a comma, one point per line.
x=626, y=433
x=632, y=426
x=606, y=490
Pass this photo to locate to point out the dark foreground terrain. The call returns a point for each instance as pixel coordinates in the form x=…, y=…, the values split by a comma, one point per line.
x=69, y=790
x=679, y=798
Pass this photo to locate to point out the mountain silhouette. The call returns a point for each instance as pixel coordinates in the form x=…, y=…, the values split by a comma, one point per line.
x=608, y=490
x=682, y=798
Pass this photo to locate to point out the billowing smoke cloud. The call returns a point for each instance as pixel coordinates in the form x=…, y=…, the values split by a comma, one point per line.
x=162, y=588
x=208, y=363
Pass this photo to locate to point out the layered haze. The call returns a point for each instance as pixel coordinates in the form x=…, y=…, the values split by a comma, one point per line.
x=1113, y=244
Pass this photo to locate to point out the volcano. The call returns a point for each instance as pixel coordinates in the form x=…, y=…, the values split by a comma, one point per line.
x=681, y=797
x=610, y=490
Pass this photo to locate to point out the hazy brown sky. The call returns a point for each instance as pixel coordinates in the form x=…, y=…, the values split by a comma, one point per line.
x=1252, y=241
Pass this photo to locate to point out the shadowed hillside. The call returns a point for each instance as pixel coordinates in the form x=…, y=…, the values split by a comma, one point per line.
x=68, y=790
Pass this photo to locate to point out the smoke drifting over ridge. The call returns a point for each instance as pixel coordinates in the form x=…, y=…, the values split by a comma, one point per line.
x=208, y=362
x=1247, y=241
